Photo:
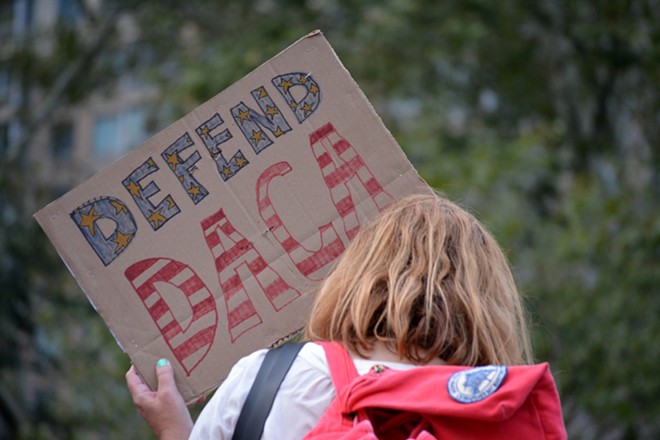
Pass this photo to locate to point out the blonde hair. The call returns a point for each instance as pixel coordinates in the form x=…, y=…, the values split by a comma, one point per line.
x=426, y=279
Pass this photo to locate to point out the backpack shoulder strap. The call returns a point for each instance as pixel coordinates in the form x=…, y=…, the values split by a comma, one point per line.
x=342, y=367
x=259, y=401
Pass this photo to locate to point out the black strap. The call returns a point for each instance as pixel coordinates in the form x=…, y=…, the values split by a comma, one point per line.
x=260, y=399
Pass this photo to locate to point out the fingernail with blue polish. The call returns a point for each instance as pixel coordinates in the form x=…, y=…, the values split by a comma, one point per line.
x=161, y=363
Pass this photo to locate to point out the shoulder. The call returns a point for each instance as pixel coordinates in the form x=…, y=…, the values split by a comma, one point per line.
x=304, y=395
x=219, y=416
x=312, y=357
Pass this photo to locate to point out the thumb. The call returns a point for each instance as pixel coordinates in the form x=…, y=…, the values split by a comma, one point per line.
x=165, y=374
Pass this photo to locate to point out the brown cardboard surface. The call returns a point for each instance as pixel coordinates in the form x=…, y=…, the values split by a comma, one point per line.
x=208, y=241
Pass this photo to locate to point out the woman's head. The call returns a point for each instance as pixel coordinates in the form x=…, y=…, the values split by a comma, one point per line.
x=425, y=278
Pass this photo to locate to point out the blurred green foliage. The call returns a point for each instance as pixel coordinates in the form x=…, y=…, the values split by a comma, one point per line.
x=541, y=117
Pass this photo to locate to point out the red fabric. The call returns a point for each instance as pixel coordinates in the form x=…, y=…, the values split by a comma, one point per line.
x=416, y=403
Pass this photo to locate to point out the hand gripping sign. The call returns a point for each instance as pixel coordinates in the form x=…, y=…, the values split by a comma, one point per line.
x=208, y=241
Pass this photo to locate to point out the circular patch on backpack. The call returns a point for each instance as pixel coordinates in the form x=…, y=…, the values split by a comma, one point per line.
x=475, y=384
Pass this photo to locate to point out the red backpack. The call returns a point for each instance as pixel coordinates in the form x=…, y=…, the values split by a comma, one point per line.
x=439, y=402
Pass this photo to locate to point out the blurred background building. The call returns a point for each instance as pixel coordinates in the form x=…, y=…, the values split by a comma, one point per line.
x=83, y=135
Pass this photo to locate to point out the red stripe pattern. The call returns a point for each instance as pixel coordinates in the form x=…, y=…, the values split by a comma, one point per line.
x=310, y=263
x=233, y=253
x=190, y=338
x=342, y=169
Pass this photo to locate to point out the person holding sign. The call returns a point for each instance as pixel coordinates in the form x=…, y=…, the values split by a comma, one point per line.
x=422, y=292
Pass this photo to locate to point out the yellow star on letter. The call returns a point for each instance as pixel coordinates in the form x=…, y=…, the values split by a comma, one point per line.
x=240, y=161
x=226, y=171
x=262, y=92
x=121, y=240
x=156, y=218
x=256, y=136
x=278, y=132
x=307, y=108
x=119, y=207
x=170, y=202
x=193, y=190
x=243, y=115
x=286, y=84
x=272, y=111
x=134, y=189
x=173, y=160
x=293, y=105
x=313, y=89
x=88, y=220
x=205, y=131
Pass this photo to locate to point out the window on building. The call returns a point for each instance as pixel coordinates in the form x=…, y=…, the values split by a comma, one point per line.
x=62, y=141
x=4, y=138
x=116, y=134
x=68, y=11
x=12, y=86
x=4, y=83
x=9, y=132
x=23, y=16
x=6, y=15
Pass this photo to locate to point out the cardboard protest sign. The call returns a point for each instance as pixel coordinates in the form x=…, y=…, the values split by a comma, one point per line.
x=208, y=241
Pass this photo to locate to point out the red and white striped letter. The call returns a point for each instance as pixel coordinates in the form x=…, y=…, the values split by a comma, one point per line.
x=309, y=263
x=190, y=337
x=231, y=250
x=339, y=163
